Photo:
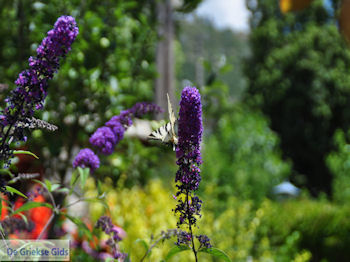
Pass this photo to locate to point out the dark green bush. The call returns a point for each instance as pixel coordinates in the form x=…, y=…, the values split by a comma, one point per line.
x=323, y=227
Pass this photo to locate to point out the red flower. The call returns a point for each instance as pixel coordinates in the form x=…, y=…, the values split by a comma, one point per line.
x=39, y=216
x=4, y=211
x=19, y=202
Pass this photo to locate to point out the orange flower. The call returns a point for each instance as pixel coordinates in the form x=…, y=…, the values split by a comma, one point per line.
x=40, y=216
x=19, y=202
x=293, y=5
x=4, y=211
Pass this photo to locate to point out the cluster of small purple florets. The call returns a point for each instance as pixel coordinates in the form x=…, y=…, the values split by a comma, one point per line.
x=37, y=191
x=86, y=158
x=184, y=238
x=32, y=84
x=105, y=223
x=189, y=210
x=14, y=224
x=204, y=241
x=190, y=130
x=108, y=136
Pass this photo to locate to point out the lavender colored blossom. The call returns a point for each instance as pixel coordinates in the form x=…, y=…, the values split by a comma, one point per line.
x=204, y=241
x=105, y=223
x=188, y=211
x=107, y=137
x=125, y=117
x=183, y=238
x=117, y=127
x=104, y=139
x=32, y=83
x=190, y=130
x=190, y=125
x=31, y=90
x=142, y=108
x=86, y=158
x=100, y=256
x=37, y=191
x=12, y=225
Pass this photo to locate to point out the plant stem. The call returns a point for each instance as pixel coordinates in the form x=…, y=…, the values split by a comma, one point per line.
x=46, y=226
x=4, y=240
x=190, y=225
x=149, y=250
x=4, y=138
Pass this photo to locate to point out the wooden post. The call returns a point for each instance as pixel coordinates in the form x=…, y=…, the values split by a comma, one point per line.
x=165, y=56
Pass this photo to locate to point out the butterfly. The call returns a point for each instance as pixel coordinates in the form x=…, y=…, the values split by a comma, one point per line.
x=167, y=133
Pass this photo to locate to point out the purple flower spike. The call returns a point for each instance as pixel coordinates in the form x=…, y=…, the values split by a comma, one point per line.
x=117, y=128
x=105, y=223
x=190, y=130
x=31, y=90
x=142, y=108
x=104, y=139
x=107, y=137
x=86, y=158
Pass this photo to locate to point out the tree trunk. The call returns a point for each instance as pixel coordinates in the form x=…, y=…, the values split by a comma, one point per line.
x=165, y=56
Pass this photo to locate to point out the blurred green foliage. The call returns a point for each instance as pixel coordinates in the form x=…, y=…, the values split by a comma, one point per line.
x=238, y=230
x=299, y=76
x=110, y=67
x=339, y=163
x=214, y=55
x=322, y=227
x=242, y=157
x=241, y=153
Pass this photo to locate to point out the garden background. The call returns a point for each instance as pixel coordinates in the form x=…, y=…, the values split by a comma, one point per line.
x=276, y=108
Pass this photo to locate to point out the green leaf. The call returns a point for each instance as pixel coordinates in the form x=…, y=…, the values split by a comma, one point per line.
x=143, y=242
x=63, y=190
x=24, y=218
x=7, y=172
x=97, y=200
x=2, y=230
x=99, y=187
x=176, y=249
x=74, y=178
x=23, y=152
x=80, y=224
x=14, y=191
x=55, y=187
x=84, y=173
x=216, y=253
x=48, y=185
x=30, y=205
x=41, y=183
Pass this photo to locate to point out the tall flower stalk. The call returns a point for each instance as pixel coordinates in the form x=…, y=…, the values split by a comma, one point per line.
x=106, y=138
x=32, y=84
x=188, y=153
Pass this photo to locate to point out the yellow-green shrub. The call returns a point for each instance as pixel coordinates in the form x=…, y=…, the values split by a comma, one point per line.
x=143, y=212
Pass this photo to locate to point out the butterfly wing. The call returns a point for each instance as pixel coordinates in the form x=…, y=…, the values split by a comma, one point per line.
x=167, y=133
x=172, y=118
x=173, y=122
x=162, y=134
